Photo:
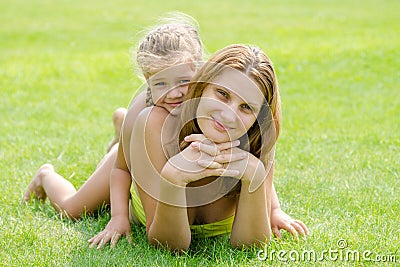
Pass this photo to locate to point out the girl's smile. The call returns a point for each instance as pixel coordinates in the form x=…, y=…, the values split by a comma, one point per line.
x=169, y=86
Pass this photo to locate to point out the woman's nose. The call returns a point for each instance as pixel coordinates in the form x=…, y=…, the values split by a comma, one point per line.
x=228, y=114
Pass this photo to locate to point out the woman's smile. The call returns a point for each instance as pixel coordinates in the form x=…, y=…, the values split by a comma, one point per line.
x=220, y=126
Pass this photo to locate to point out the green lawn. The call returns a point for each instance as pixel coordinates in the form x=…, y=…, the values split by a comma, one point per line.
x=65, y=66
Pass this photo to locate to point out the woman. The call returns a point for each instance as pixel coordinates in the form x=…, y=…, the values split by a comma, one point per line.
x=239, y=99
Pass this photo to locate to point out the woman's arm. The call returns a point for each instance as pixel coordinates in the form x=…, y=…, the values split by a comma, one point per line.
x=278, y=218
x=252, y=218
x=161, y=182
x=166, y=225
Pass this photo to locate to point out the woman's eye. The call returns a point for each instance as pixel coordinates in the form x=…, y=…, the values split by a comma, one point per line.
x=246, y=107
x=222, y=93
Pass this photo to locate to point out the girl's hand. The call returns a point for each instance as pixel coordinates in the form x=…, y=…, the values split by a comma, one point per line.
x=281, y=220
x=116, y=227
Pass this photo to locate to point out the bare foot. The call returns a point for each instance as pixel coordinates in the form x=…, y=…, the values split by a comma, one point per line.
x=35, y=187
x=118, y=119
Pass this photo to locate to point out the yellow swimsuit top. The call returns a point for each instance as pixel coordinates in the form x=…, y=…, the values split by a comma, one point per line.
x=202, y=230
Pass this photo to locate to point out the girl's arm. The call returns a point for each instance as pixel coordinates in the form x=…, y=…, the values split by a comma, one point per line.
x=120, y=183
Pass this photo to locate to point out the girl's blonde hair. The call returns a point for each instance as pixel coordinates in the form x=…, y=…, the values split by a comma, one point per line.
x=174, y=40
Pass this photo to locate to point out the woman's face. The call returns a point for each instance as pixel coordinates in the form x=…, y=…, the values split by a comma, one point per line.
x=229, y=106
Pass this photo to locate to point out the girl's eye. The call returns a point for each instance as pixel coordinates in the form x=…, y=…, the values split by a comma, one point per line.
x=183, y=82
x=160, y=84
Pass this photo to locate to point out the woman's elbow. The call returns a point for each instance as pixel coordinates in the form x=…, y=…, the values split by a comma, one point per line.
x=173, y=245
x=242, y=242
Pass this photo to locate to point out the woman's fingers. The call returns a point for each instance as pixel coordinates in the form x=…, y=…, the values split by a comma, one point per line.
x=201, y=138
x=209, y=164
x=195, y=137
x=226, y=158
x=222, y=172
x=219, y=160
x=215, y=149
x=106, y=238
x=210, y=149
x=207, y=146
x=227, y=145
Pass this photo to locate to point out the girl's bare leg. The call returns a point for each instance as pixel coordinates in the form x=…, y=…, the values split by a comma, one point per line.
x=118, y=119
x=63, y=195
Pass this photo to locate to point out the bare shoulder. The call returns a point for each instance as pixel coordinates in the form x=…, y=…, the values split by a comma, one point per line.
x=152, y=118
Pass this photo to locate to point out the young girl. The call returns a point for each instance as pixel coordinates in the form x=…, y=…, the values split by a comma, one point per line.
x=175, y=41
x=226, y=104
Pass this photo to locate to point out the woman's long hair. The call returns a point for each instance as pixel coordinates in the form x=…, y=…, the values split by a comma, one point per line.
x=260, y=139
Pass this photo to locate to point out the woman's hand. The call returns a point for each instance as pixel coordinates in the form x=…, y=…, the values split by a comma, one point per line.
x=281, y=220
x=216, y=155
x=228, y=156
x=200, y=160
x=116, y=227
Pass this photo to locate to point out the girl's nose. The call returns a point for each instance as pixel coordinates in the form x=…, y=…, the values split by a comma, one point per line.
x=177, y=92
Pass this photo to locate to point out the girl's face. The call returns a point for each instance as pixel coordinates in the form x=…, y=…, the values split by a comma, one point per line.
x=169, y=86
x=229, y=106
